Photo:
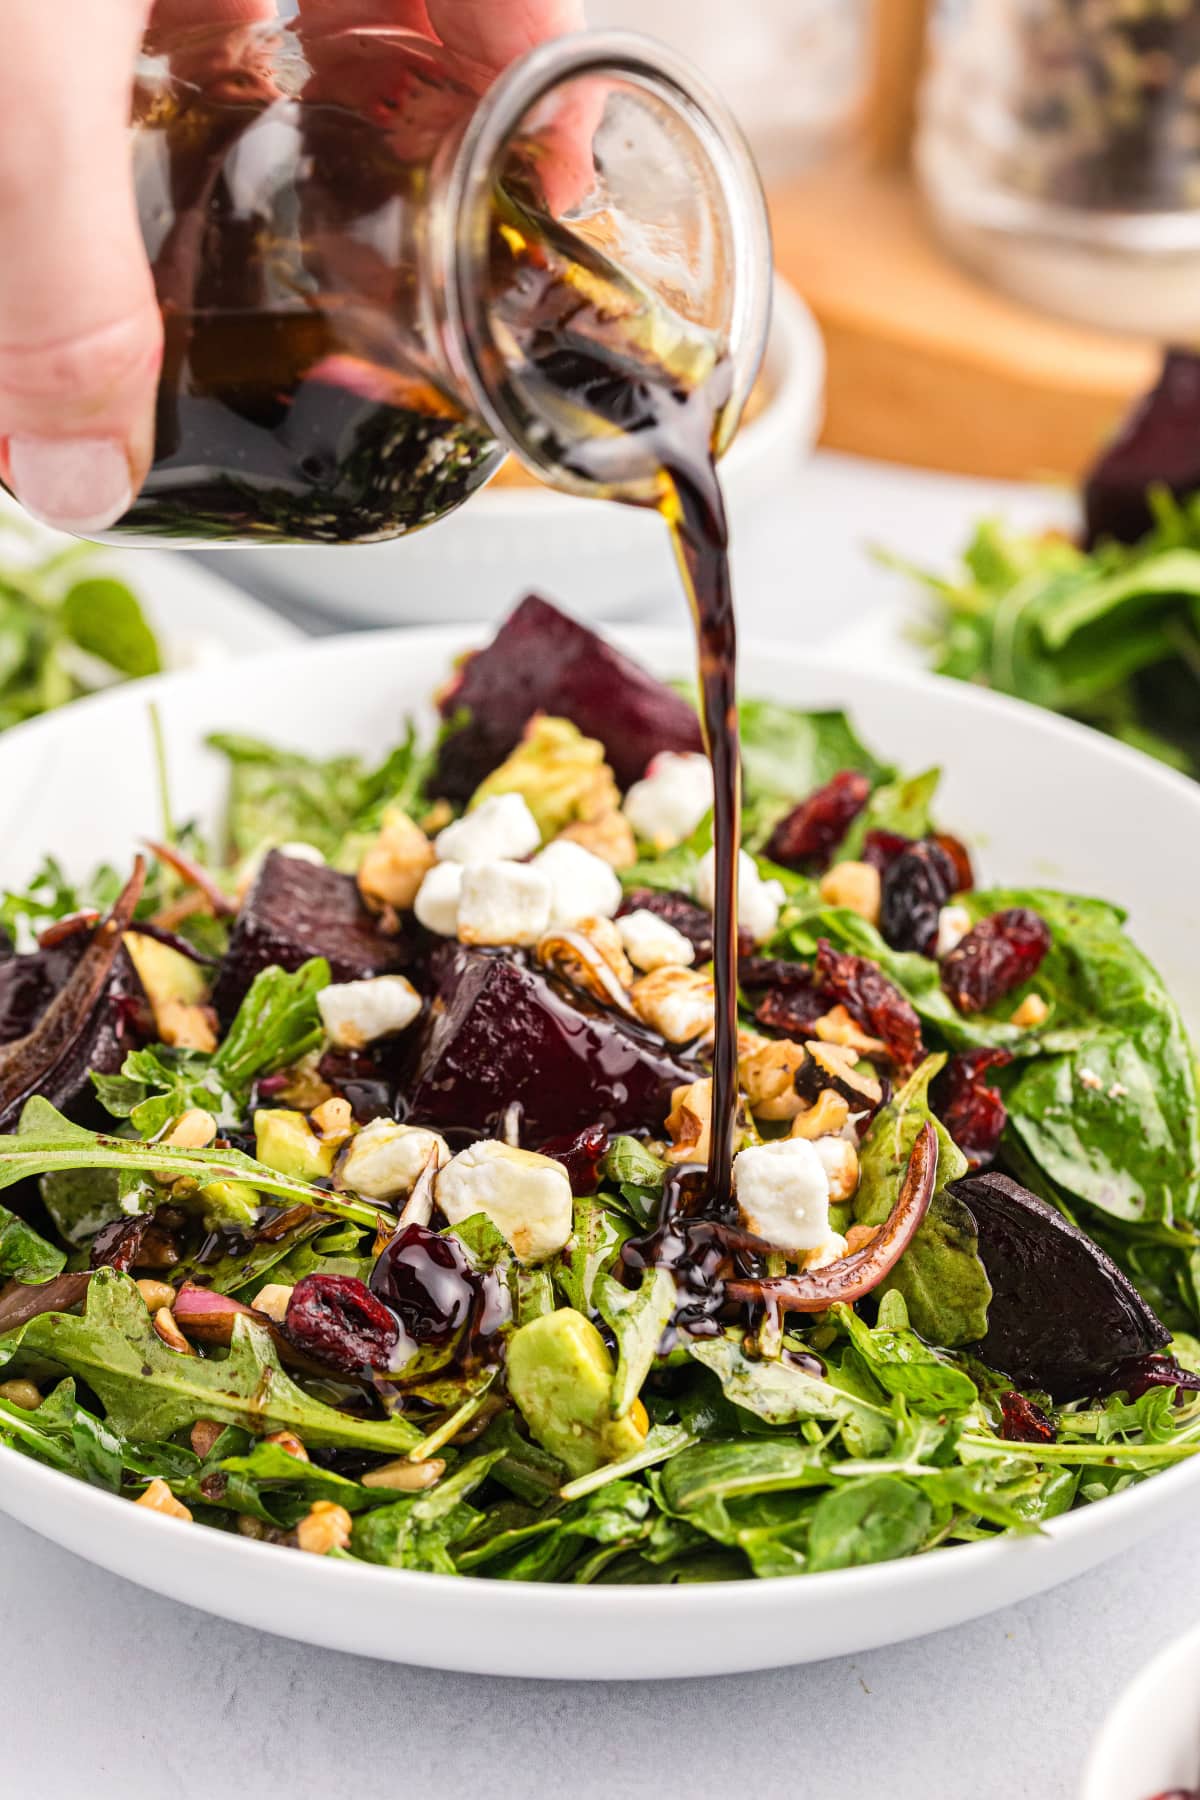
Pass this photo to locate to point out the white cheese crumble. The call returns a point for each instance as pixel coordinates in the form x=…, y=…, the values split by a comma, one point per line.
x=355, y=1013
x=501, y=828
x=503, y=903
x=436, y=904
x=653, y=943
x=954, y=922
x=527, y=1197
x=759, y=902
x=670, y=800
x=783, y=1193
x=383, y=1160
x=582, y=886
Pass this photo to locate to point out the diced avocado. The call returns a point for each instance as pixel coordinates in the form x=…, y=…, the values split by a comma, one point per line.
x=229, y=1203
x=560, y=774
x=166, y=974
x=561, y=1376
x=287, y=1143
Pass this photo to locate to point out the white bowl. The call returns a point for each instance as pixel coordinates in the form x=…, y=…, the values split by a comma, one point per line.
x=1042, y=799
x=1150, y=1742
x=601, y=560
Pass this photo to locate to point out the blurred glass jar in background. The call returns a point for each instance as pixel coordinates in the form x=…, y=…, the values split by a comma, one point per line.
x=1059, y=149
x=792, y=71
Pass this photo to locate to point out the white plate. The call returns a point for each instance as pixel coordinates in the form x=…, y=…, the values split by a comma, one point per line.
x=603, y=561
x=1150, y=1742
x=1041, y=799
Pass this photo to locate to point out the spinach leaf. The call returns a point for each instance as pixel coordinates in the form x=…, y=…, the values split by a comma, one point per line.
x=24, y=1256
x=903, y=1365
x=417, y=1532
x=902, y=806
x=940, y=1275
x=876, y=1520
x=637, y=1320
x=104, y=618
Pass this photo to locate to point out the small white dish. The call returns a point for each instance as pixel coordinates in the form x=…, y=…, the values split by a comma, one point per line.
x=602, y=561
x=1045, y=800
x=1149, y=1745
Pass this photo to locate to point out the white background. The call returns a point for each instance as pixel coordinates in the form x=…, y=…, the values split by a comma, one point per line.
x=109, y=1691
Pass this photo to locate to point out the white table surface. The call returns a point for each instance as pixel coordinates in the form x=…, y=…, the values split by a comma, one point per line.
x=110, y=1691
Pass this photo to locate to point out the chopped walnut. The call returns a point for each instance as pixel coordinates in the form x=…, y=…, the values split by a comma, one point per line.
x=304, y=1088
x=287, y=1440
x=159, y=1498
x=272, y=1299
x=608, y=835
x=193, y=1130
x=395, y=865
x=831, y=1251
x=825, y=1118
x=859, y=1236
x=689, y=1123
x=840, y=1160
x=678, y=1003
x=325, y=1527
x=767, y=1071
x=186, y=1026
x=1032, y=1011
x=333, y=1120
x=837, y=1027
x=854, y=885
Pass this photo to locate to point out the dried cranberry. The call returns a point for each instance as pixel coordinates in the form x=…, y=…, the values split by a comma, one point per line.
x=581, y=1156
x=428, y=1281
x=872, y=1001
x=916, y=886
x=1024, y=1423
x=683, y=913
x=1141, y=1373
x=758, y=972
x=960, y=856
x=811, y=832
x=1000, y=953
x=881, y=848
x=792, y=1003
x=973, y=1113
x=337, y=1320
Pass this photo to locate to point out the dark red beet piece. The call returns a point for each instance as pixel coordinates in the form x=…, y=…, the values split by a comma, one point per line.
x=542, y=660
x=1142, y=1373
x=499, y=1031
x=1024, y=1423
x=807, y=837
x=881, y=848
x=1062, y=1317
x=997, y=955
x=427, y=1280
x=337, y=1320
x=580, y=1155
x=1157, y=446
x=973, y=1113
x=872, y=1001
x=296, y=910
x=916, y=885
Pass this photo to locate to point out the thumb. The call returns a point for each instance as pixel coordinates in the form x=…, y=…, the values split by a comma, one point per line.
x=80, y=333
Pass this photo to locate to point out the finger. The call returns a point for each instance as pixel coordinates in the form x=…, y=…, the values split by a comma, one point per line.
x=484, y=36
x=79, y=329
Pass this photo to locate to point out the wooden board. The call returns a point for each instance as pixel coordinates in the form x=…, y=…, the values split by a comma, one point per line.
x=927, y=365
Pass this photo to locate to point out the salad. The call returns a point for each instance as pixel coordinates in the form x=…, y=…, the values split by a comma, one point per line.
x=353, y=1167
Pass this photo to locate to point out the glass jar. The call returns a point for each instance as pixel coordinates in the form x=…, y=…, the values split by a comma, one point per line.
x=1060, y=152
x=375, y=281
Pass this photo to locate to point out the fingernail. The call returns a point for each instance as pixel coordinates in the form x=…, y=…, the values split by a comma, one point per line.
x=75, y=484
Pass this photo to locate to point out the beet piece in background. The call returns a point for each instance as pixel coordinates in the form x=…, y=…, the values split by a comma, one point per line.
x=1157, y=446
x=542, y=660
x=29, y=983
x=499, y=1032
x=296, y=910
x=1062, y=1318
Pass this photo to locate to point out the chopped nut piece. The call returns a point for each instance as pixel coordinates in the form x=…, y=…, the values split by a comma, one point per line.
x=677, y=1003
x=395, y=864
x=837, y=1027
x=767, y=1071
x=273, y=1300
x=193, y=1130
x=334, y=1119
x=609, y=836
x=689, y=1123
x=1032, y=1011
x=250, y=1527
x=156, y=1294
x=22, y=1394
x=287, y=1440
x=159, y=1498
x=169, y=1332
x=859, y=1236
x=203, y=1436
x=827, y=1116
x=404, y=1476
x=185, y=1026
x=325, y=1527
x=854, y=885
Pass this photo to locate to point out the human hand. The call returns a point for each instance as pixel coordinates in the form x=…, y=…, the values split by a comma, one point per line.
x=80, y=330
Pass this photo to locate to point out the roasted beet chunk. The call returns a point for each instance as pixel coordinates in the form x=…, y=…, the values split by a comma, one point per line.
x=1024, y=1422
x=872, y=1001
x=996, y=956
x=296, y=910
x=1142, y=1373
x=812, y=831
x=499, y=1031
x=685, y=915
x=1158, y=446
x=541, y=660
x=1062, y=1316
x=916, y=885
x=337, y=1320
x=973, y=1113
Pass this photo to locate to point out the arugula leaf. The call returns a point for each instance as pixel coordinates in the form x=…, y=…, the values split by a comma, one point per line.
x=903, y=1365
x=902, y=806
x=940, y=1275
x=637, y=1320
x=150, y=1391
x=417, y=1532
x=776, y=1391
x=596, y=1238
x=24, y=1256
